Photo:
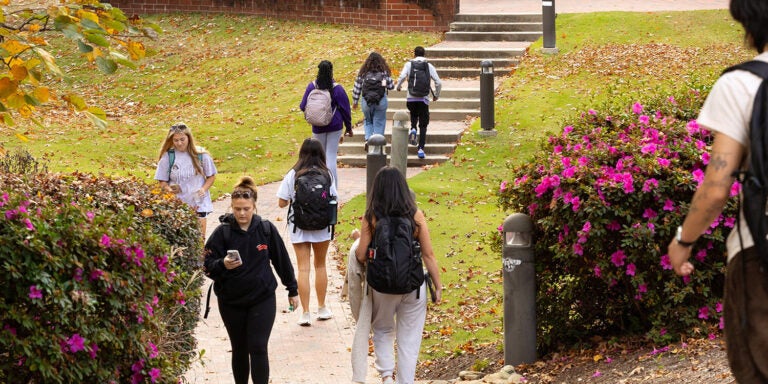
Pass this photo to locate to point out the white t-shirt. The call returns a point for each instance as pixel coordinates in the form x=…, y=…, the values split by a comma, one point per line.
x=183, y=174
x=728, y=110
x=286, y=192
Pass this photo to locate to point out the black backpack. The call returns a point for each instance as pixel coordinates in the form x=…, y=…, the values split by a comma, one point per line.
x=313, y=207
x=754, y=181
x=419, y=80
x=373, y=90
x=394, y=257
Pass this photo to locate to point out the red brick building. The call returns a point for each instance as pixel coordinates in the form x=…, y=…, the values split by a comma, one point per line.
x=390, y=15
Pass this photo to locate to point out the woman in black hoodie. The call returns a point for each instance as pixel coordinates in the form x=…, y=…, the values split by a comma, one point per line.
x=245, y=286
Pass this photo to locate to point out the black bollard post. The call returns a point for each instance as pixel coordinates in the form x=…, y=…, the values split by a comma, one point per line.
x=548, y=20
x=376, y=159
x=487, y=119
x=519, y=291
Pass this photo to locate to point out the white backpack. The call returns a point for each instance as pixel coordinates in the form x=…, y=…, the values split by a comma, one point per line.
x=318, y=111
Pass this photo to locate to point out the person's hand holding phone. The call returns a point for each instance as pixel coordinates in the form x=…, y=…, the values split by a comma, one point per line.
x=232, y=260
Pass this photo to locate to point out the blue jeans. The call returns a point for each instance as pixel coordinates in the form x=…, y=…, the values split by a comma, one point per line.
x=375, y=117
x=330, y=141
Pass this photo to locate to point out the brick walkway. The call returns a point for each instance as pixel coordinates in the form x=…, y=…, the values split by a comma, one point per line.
x=319, y=354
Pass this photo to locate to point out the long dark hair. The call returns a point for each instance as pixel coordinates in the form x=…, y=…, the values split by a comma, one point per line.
x=753, y=16
x=311, y=155
x=374, y=63
x=324, y=78
x=390, y=196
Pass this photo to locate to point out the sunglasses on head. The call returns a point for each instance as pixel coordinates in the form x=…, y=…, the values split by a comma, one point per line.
x=241, y=194
x=178, y=128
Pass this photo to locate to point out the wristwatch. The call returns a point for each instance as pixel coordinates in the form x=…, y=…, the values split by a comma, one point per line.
x=679, y=238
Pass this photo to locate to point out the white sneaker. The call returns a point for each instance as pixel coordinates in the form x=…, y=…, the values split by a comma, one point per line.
x=388, y=380
x=420, y=153
x=304, y=320
x=324, y=313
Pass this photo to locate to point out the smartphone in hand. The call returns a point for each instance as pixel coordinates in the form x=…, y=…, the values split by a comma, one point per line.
x=234, y=255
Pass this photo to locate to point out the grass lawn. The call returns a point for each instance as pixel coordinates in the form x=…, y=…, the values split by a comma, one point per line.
x=237, y=82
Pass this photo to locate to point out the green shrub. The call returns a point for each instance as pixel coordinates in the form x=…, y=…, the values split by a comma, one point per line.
x=98, y=282
x=606, y=196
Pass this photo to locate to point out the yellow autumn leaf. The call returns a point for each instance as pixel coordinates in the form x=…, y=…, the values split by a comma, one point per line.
x=147, y=212
x=87, y=15
x=38, y=40
x=597, y=357
x=14, y=46
x=26, y=110
x=43, y=94
x=19, y=72
x=16, y=100
x=22, y=137
x=7, y=87
x=5, y=2
x=35, y=28
x=137, y=50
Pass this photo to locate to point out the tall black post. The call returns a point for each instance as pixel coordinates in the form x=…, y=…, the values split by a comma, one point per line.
x=548, y=19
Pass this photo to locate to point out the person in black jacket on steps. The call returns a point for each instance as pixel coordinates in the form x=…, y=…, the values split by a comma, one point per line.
x=245, y=286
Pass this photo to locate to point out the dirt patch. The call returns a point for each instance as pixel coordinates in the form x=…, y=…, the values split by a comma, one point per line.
x=695, y=361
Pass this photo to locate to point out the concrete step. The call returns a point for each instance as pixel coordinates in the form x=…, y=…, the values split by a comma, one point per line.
x=458, y=73
x=444, y=114
x=473, y=63
x=448, y=92
x=443, y=103
x=358, y=148
x=500, y=18
x=477, y=26
x=477, y=49
x=413, y=161
x=492, y=36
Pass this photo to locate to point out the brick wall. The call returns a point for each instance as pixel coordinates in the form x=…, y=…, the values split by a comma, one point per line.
x=390, y=15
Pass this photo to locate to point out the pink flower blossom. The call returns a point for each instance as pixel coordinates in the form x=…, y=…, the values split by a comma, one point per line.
x=630, y=269
x=644, y=120
x=90, y=215
x=693, y=127
x=583, y=161
x=521, y=179
x=152, y=350
x=35, y=292
x=704, y=313
x=735, y=188
x=719, y=307
x=154, y=374
x=663, y=162
x=637, y=108
x=28, y=224
x=578, y=249
x=698, y=176
x=705, y=158
x=721, y=325
x=94, y=350
x=700, y=255
x=597, y=374
x=665, y=262
x=592, y=112
x=503, y=186
x=96, y=274
x=75, y=343
x=650, y=184
x=105, y=240
x=618, y=257
x=649, y=214
x=613, y=226
x=642, y=288
x=567, y=129
x=598, y=271
x=669, y=205
x=712, y=336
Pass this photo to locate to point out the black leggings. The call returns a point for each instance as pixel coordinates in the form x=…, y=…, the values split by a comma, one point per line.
x=419, y=117
x=249, y=329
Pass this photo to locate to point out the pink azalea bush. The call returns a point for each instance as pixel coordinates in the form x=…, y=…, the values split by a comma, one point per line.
x=606, y=196
x=91, y=292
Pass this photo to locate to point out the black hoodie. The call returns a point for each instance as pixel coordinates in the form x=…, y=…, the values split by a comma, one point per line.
x=253, y=281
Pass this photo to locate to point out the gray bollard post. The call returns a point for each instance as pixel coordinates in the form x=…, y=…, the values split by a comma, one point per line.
x=487, y=118
x=519, y=291
x=376, y=159
x=398, y=157
x=548, y=22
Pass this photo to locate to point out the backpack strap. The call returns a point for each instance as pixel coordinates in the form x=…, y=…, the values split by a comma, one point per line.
x=226, y=231
x=171, y=160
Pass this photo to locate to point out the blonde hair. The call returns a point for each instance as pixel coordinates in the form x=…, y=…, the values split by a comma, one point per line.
x=194, y=151
x=246, y=184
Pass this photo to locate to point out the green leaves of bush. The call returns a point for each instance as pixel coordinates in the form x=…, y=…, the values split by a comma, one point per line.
x=606, y=196
x=90, y=289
